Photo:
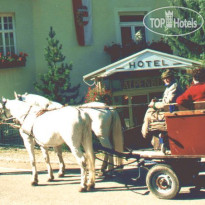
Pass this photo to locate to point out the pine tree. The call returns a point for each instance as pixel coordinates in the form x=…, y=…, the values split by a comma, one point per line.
x=55, y=84
x=191, y=45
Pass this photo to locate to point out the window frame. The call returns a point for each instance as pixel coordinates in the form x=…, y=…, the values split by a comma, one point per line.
x=130, y=11
x=132, y=25
x=3, y=31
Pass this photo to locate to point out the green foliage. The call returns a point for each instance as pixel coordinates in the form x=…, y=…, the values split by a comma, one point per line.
x=184, y=79
x=192, y=45
x=55, y=84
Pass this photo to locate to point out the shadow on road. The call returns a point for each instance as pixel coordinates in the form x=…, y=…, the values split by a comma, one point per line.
x=191, y=196
x=128, y=180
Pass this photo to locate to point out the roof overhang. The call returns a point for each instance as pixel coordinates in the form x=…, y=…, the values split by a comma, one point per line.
x=145, y=60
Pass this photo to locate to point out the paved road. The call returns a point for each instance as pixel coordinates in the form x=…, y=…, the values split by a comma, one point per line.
x=119, y=190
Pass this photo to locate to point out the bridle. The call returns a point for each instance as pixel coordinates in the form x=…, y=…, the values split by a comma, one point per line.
x=3, y=109
x=7, y=118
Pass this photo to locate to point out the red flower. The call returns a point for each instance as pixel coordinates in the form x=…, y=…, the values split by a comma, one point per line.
x=11, y=57
x=94, y=94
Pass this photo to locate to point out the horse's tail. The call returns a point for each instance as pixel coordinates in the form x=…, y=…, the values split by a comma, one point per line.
x=117, y=135
x=88, y=145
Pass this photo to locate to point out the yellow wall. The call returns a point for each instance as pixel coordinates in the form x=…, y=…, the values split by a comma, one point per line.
x=33, y=20
x=19, y=79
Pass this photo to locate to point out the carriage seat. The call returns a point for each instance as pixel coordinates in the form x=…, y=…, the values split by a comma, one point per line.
x=192, y=109
x=160, y=128
x=192, y=106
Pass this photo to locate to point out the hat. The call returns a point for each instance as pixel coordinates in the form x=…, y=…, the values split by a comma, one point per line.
x=167, y=74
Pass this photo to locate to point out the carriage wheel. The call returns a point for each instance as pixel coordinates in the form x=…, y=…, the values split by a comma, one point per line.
x=162, y=181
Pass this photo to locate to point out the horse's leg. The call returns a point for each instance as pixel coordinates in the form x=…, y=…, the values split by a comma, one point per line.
x=87, y=144
x=108, y=158
x=58, y=151
x=81, y=160
x=117, y=138
x=110, y=162
x=29, y=144
x=104, y=163
x=47, y=160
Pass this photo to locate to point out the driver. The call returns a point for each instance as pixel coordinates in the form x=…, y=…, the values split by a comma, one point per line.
x=155, y=110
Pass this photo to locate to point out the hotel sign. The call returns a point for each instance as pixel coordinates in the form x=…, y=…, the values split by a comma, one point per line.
x=151, y=64
x=142, y=61
x=141, y=83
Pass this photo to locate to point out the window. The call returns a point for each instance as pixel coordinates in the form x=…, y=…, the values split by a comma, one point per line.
x=132, y=28
x=7, y=34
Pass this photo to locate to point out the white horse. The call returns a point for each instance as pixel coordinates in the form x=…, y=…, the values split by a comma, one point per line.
x=38, y=100
x=53, y=128
x=106, y=125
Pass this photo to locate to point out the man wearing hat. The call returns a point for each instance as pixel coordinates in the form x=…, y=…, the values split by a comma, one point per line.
x=155, y=110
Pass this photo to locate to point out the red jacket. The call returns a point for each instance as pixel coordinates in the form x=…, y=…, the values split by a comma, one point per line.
x=195, y=93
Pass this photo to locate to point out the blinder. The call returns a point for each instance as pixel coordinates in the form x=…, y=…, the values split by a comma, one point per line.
x=2, y=110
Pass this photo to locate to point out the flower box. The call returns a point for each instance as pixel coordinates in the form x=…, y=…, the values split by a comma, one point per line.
x=12, y=64
x=12, y=60
x=117, y=51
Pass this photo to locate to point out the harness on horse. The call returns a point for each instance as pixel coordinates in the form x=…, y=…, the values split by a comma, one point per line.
x=25, y=125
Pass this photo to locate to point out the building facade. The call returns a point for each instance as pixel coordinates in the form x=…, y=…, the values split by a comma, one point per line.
x=136, y=80
x=87, y=29
x=25, y=25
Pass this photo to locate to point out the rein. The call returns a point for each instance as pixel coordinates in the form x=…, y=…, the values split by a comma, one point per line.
x=14, y=125
x=27, y=114
x=11, y=118
x=112, y=107
x=41, y=112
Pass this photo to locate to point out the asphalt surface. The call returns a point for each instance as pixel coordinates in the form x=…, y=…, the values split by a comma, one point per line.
x=120, y=189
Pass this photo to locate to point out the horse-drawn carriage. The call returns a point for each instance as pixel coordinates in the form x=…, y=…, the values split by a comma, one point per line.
x=172, y=168
x=181, y=163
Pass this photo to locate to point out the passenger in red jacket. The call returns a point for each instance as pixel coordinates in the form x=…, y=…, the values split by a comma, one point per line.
x=196, y=92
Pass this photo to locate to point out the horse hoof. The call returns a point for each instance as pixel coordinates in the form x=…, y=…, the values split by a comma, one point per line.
x=90, y=187
x=50, y=179
x=61, y=175
x=34, y=183
x=82, y=189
